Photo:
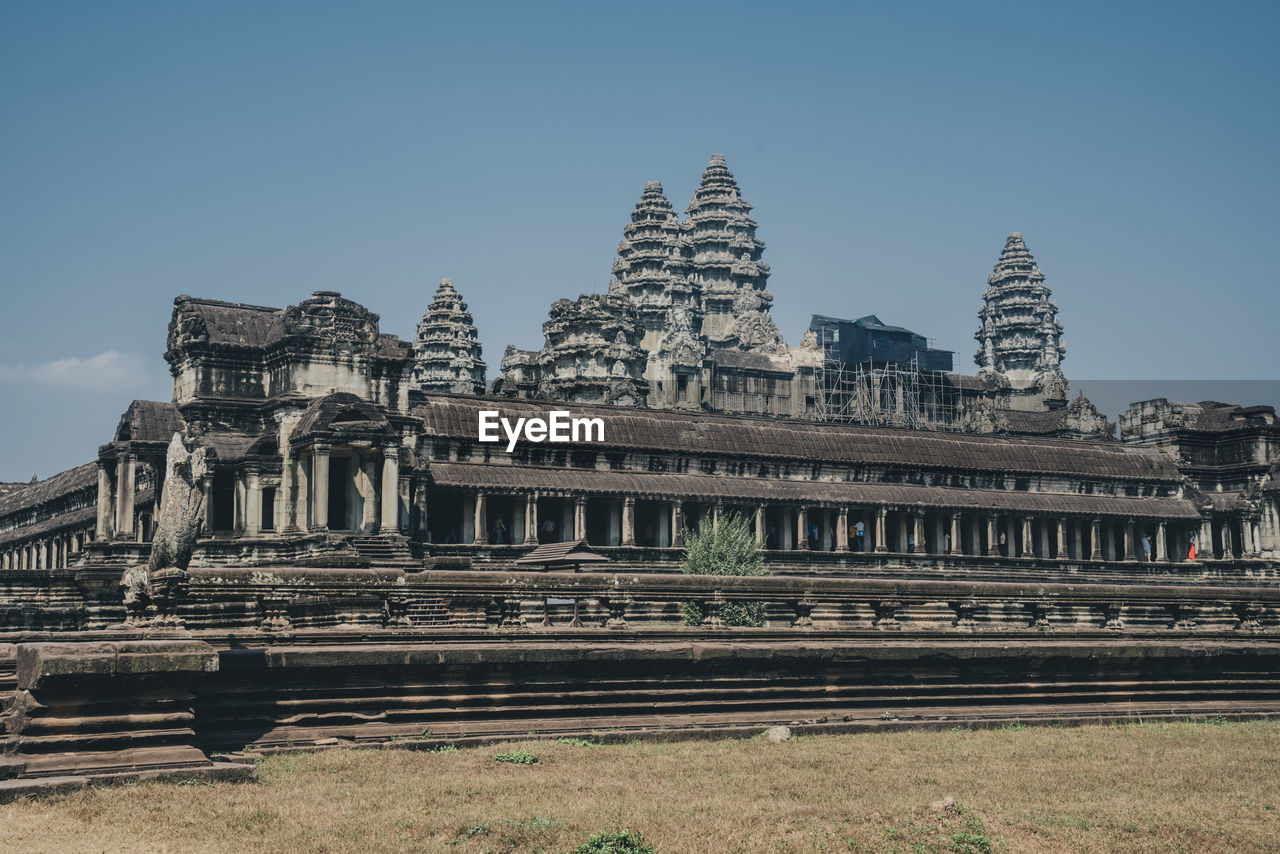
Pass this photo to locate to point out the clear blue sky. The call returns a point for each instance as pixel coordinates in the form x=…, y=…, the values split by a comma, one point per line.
x=258, y=151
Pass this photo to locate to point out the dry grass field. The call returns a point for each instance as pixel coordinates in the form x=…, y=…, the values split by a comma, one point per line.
x=1195, y=787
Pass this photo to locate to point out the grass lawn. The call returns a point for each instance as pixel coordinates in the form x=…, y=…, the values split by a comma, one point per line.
x=1195, y=787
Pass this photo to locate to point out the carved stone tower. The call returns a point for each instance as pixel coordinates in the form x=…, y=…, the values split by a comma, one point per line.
x=446, y=352
x=1020, y=340
x=727, y=265
x=652, y=267
x=592, y=352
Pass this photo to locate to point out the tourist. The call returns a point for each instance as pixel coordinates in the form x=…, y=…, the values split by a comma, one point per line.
x=858, y=532
x=499, y=532
x=813, y=535
x=1191, y=547
x=1146, y=548
x=548, y=531
x=947, y=544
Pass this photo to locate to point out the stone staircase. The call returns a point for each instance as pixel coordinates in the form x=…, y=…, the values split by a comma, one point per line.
x=391, y=551
x=428, y=611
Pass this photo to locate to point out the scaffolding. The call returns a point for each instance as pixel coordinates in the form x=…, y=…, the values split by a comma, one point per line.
x=886, y=394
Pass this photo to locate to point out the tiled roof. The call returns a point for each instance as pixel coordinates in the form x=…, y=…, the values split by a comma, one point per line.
x=149, y=421
x=759, y=438
x=238, y=325
x=754, y=489
x=35, y=494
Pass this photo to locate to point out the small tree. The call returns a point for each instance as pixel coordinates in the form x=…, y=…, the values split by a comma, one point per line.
x=727, y=548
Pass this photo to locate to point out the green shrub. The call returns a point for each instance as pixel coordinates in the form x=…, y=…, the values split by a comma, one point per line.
x=616, y=842
x=518, y=757
x=728, y=548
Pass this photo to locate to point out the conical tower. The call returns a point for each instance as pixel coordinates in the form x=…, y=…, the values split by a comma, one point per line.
x=727, y=265
x=1020, y=339
x=446, y=350
x=652, y=267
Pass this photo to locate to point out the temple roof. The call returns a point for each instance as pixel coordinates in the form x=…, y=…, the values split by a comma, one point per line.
x=761, y=438
x=754, y=489
x=149, y=421
x=35, y=494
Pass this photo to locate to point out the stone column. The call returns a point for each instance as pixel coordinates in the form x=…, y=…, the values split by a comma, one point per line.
x=957, y=539
x=1028, y=548
x=126, y=472
x=1227, y=550
x=882, y=519
x=629, y=521
x=367, y=485
x=917, y=523
x=677, y=525
x=390, y=490
x=1162, y=547
x=320, y=488
x=1063, y=552
x=1077, y=538
x=480, y=535
x=1095, y=541
x=286, y=503
x=104, y=527
x=993, y=537
x=531, y=519
x=842, y=529
x=1128, y=541
x=760, y=541
x=580, y=518
x=302, y=494
x=1246, y=527
x=42, y=555
x=252, y=504
x=802, y=527
x=716, y=510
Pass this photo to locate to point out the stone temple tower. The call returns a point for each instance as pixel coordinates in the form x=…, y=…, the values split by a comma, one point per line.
x=446, y=351
x=727, y=265
x=652, y=267
x=1020, y=340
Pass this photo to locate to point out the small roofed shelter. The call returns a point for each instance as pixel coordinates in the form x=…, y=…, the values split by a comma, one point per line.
x=562, y=557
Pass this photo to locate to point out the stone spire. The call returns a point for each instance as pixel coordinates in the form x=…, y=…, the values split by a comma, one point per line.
x=727, y=265
x=652, y=267
x=1020, y=340
x=446, y=351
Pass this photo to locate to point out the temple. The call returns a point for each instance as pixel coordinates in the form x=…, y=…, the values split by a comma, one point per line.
x=345, y=492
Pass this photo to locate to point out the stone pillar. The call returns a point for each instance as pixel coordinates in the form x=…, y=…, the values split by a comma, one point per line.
x=580, y=518
x=842, y=529
x=126, y=472
x=629, y=521
x=103, y=530
x=1128, y=541
x=320, y=488
x=1063, y=552
x=917, y=524
x=760, y=542
x=957, y=538
x=716, y=510
x=390, y=490
x=1227, y=552
x=252, y=504
x=677, y=525
x=1028, y=549
x=993, y=537
x=42, y=555
x=302, y=494
x=1077, y=539
x=531, y=519
x=1095, y=541
x=802, y=528
x=1246, y=527
x=286, y=503
x=1162, y=546
x=367, y=485
x=882, y=518
x=480, y=534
